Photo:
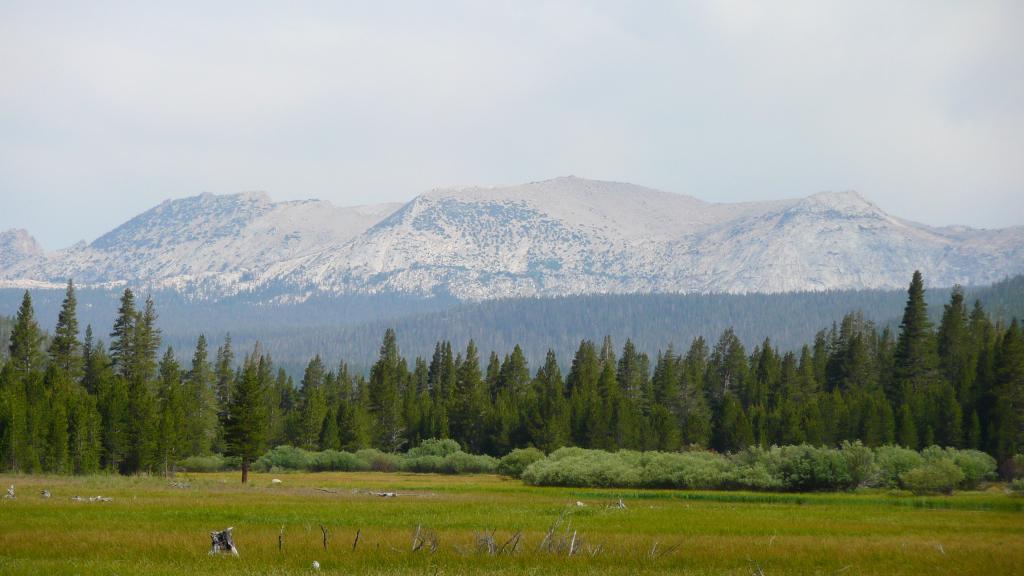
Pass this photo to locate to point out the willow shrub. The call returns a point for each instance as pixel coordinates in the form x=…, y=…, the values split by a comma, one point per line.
x=802, y=468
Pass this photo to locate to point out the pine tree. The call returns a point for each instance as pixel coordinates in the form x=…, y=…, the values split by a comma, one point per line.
x=584, y=402
x=469, y=410
x=122, y=338
x=201, y=402
x=84, y=429
x=907, y=436
x=312, y=405
x=385, y=401
x=224, y=374
x=142, y=429
x=112, y=405
x=172, y=441
x=1009, y=411
x=548, y=419
x=733, y=431
x=957, y=352
x=245, y=422
x=27, y=399
x=65, y=348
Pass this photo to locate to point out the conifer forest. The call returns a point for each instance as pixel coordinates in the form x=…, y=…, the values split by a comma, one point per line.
x=77, y=401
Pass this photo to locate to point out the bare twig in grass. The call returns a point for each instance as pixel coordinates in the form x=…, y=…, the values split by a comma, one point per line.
x=328, y=491
x=548, y=541
x=326, y=534
x=424, y=539
x=514, y=541
x=356, y=541
x=280, y=539
x=485, y=543
x=620, y=505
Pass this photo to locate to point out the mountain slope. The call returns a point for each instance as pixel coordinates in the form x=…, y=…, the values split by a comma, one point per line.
x=205, y=244
x=574, y=236
x=556, y=237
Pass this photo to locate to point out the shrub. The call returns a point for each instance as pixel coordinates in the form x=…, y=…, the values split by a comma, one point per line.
x=212, y=463
x=1017, y=487
x=893, y=462
x=579, y=467
x=335, y=461
x=806, y=468
x=687, y=470
x=434, y=447
x=513, y=463
x=860, y=463
x=755, y=476
x=933, y=477
x=284, y=458
x=379, y=461
x=1014, y=467
x=975, y=465
x=462, y=463
x=424, y=464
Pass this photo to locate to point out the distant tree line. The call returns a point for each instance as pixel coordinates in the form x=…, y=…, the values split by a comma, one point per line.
x=77, y=406
x=350, y=326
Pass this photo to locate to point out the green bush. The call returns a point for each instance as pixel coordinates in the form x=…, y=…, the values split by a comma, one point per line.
x=435, y=447
x=754, y=476
x=462, y=463
x=513, y=463
x=975, y=465
x=935, y=476
x=860, y=463
x=335, y=461
x=806, y=468
x=212, y=463
x=1017, y=487
x=1014, y=467
x=694, y=470
x=579, y=467
x=284, y=458
x=379, y=461
x=893, y=462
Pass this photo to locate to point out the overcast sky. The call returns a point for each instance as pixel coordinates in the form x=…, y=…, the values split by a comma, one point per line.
x=108, y=108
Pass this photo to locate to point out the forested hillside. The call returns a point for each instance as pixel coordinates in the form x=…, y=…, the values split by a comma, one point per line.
x=350, y=327
x=69, y=405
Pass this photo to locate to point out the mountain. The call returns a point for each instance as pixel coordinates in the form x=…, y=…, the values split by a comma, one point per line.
x=202, y=245
x=556, y=237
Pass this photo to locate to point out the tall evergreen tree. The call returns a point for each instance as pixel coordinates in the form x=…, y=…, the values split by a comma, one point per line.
x=65, y=348
x=548, y=418
x=245, y=423
x=386, y=377
x=201, y=402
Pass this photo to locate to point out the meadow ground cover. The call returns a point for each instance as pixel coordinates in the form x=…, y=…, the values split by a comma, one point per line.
x=153, y=527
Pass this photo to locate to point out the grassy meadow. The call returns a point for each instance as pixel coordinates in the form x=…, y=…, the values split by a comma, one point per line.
x=154, y=527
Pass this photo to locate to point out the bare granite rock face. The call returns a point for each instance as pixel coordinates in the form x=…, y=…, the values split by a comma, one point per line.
x=555, y=237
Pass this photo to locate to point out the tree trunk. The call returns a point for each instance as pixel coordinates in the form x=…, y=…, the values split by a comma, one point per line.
x=245, y=470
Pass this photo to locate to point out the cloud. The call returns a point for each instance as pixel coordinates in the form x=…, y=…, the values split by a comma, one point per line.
x=108, y=108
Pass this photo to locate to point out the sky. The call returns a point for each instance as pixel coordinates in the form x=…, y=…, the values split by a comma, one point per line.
x=108, y=108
